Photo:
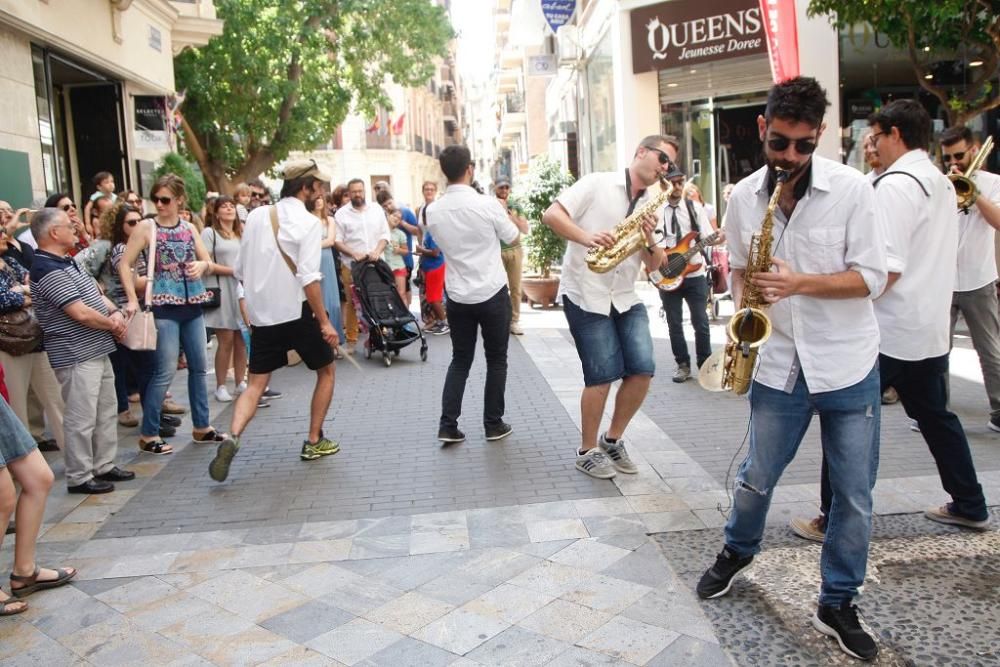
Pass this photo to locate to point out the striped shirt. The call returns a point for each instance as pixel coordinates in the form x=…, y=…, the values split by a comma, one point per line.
x=57, y=282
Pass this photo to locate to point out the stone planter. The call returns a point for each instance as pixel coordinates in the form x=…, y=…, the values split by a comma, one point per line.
x=541, y=291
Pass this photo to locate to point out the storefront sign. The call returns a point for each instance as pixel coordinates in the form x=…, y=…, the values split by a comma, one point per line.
x=782, y=38
x=684, y=33
x=151, y=122
x=558, y=12
x=542, y=65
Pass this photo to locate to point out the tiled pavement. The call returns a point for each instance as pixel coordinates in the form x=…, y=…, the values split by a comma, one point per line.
x=572, y=581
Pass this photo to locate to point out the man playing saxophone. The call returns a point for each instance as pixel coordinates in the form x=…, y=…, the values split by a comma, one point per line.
x=827, y=262
x=607, y=319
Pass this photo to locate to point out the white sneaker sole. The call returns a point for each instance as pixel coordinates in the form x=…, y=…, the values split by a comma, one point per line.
x=744, y=570
x=494, y=438
x=993, y=427
x=830, y=632
x=597, y=474
x=961, y=522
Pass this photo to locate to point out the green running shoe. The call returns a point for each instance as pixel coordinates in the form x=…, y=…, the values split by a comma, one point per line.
x=218, y=469
x=325, y=446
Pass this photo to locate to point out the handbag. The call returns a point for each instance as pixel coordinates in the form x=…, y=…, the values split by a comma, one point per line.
x=216, y=292
x=20, y=332
x=140, y=333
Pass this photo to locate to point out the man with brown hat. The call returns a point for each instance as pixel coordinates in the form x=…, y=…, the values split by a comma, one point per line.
x=279, y=265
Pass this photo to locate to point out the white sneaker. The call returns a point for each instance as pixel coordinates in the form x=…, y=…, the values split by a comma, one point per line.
x=516, y=329
x=241, y=387
x=222, y=395
x=595, y=463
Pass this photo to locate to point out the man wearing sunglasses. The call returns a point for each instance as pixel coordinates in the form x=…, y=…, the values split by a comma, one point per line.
x=975, y=295
x=607, y=319
x=828, y=263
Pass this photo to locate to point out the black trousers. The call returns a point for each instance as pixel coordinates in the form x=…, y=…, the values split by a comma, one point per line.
x=923, y=390
x=465, y=320
x=695, y=292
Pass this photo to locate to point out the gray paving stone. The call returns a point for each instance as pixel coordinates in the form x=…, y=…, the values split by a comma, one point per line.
x=581, y=657
x=691, y=652
x=307, y=621
x=518, y=647
x=409, y=651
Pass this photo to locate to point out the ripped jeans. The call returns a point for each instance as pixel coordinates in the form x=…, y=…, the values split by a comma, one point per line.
x=849, y=426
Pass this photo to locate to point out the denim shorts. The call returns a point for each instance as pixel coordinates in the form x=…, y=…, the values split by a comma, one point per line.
x=611, y=346
x=15, y=441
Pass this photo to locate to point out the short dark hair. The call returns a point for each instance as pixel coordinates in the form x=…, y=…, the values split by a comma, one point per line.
x=955, y=134
x=910, y=118
x=799, y=100
x=294, y=186
x=455, y=160
x=382, y=197
x=53, y=201
x=353, y=181
x=101, y=176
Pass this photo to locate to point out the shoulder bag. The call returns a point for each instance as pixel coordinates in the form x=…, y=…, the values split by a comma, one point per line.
x=216, y=292
x=20, y=332
x=140, y=334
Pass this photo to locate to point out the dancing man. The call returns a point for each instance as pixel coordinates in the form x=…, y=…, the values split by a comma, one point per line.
x=828, y=254
x=607, y=319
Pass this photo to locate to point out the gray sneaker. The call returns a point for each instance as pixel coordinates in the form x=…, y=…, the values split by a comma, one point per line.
x=595, y=463
x=619, y=457
x=682, y=373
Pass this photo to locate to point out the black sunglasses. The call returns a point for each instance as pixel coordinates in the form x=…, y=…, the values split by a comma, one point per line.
x=131, y=223
x=68, y=207
x=662, y=157
x=256, y=195
x=953, y=157
x=802, y=146
x=161, y=200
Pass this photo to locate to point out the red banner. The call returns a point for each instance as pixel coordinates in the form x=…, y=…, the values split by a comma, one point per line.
x=782, y=38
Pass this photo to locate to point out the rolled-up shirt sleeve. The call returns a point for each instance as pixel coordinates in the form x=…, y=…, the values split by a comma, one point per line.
x=304, y=249
x=897, y=211
x=865, y=239
x=576, y=199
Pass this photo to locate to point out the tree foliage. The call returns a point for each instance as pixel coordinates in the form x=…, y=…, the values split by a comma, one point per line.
x=285, y=73
x=969, y=28
x=546, y=179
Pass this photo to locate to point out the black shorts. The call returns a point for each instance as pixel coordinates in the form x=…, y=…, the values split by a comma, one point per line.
x=269, y=345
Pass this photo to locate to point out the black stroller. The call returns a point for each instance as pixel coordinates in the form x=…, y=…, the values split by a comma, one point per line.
x=390, y=324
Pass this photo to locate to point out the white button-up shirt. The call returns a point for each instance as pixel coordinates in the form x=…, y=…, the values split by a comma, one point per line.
x=598, y=202
x=914, y=314
x=273, y=294
x=669, y=239
x=468, y=228
x=977, y=264
x=832, y=229
x=360, y=230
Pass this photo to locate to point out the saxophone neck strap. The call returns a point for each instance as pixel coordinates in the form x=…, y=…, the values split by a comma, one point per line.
x=905, y=173
x=632, y=201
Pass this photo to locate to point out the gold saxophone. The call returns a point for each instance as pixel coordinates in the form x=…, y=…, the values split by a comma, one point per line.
x=731, y=368
x=628, y=235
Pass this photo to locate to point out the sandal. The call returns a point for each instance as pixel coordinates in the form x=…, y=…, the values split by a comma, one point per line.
x=157, y=446
x=32, y=585
x=211, y=435
x=6, y=610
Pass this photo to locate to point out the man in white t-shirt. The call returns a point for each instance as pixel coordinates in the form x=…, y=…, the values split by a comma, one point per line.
x=607, y=319
x=468, y=227
x=975, y=295
x=917, y=205
x=362, y=234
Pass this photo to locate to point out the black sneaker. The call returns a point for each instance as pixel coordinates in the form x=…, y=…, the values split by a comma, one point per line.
x=170, y=420
x=449, y=434
x=116, y=474
x=272, y=393
x=498, y=431
x=718, y=579
x=842, y=624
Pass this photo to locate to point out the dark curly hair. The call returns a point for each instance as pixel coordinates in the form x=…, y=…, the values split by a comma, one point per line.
x=910, y=118
x=799, y=100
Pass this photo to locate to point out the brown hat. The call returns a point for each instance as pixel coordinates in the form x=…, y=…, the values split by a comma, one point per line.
x=300, y=168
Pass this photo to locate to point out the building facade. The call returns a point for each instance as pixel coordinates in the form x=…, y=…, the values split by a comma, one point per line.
x=86, y=86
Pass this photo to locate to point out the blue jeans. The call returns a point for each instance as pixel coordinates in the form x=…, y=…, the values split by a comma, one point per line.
x=171, y=336
x=849, y=422
x=140, y=364
x=611, y=347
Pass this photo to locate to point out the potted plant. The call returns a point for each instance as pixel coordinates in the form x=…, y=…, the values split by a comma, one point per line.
x=546, y=179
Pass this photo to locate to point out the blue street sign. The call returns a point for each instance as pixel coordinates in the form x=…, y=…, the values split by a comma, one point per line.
x=558, y=12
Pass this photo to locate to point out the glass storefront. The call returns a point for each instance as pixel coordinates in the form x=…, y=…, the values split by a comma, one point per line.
x=598, y=108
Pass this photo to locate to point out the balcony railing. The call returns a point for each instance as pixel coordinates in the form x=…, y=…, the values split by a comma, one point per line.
x=378, y=140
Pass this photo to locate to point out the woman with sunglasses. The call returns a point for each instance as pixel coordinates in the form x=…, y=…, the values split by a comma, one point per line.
x=64, y=202
x=178, y=292
x=222, y=238
x=117, y=225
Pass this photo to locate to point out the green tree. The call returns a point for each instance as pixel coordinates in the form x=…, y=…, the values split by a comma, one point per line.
x=283, y=75
x=546, y=179
x=929, y=30
x=194, y=184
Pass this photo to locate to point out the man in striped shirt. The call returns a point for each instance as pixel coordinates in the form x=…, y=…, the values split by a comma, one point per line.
x=80, y=326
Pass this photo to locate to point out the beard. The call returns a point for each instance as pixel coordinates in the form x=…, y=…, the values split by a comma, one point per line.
x=357, y=202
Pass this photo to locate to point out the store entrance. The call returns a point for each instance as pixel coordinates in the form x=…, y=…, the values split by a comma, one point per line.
x=738, y=140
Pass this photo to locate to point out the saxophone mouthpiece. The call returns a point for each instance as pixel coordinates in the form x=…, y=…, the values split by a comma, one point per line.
x=782, y=174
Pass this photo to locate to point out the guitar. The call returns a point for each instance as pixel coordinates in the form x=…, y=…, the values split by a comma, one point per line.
x=675, y=265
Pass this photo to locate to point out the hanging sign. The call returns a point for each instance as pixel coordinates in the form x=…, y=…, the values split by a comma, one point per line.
x=558, y=12
x=782, y=38
x=151, y=122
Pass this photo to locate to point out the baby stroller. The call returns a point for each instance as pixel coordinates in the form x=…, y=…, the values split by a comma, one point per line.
x=389, y=323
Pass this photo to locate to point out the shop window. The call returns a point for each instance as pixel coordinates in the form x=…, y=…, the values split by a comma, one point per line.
x=600, y=107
